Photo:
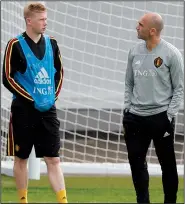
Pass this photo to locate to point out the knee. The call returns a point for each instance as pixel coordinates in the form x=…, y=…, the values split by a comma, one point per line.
x=20, y=163
x=134, y=157
x=52, y=161
x=169, y=169
x=137, y=162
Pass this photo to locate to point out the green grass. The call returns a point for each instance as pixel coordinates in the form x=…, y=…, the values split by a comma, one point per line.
x=88, y=189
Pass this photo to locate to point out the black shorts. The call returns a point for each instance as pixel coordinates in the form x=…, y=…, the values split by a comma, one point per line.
x=28, y=128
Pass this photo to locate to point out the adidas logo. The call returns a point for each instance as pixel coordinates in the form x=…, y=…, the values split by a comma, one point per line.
x=42, y=77
x=166, y=134
x=138, y=62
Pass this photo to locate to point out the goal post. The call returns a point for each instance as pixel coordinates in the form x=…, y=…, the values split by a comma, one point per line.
x=94, y=39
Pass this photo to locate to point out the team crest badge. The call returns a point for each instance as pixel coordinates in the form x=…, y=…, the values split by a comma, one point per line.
x=157, y=62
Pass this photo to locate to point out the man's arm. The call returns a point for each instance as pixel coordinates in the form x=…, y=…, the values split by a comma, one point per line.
x=177, y=79
x=12, y=64
x=59, y=69
x=129, y=82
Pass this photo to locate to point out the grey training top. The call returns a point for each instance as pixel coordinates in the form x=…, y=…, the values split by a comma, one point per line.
x=154, y=79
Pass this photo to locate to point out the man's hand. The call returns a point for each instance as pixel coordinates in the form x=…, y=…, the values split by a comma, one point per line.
x=125, y=111
x=169, y=117
x=171, y=124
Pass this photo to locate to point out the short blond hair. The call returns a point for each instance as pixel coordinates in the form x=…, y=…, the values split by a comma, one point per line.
x=34, y=7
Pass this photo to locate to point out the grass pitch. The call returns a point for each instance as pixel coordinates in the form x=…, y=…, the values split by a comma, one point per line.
x=87, y=190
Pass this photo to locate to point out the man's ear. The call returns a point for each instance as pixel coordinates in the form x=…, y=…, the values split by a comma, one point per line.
x=153, y=31
x=28, y=20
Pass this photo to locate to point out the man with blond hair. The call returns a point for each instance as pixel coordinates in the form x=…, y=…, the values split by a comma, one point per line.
x=153, y=95
x=33, y=73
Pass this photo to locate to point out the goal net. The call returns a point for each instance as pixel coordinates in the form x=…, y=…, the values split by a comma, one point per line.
x=94, y=39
